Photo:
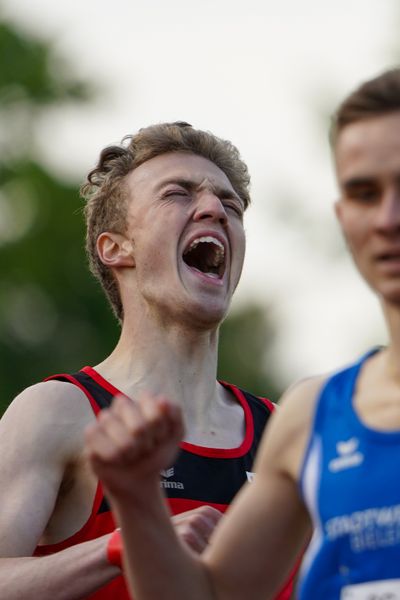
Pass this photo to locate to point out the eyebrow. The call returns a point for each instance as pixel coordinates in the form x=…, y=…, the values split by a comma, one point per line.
x=191, y=185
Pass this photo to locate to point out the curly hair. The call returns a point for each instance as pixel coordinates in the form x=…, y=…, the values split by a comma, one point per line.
x=373, y=98
x=107, y=197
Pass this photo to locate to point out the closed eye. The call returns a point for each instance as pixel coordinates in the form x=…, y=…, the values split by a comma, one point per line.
x=236, y=208
x=233, y=204
x=177, y=192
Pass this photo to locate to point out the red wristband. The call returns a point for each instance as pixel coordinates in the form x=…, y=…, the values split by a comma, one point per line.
x=114, y=548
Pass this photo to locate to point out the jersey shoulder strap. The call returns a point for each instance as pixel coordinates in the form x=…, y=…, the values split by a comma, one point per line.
x=98, y=396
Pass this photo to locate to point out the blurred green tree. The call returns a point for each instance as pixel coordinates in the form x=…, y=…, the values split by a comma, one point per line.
x=246, y=351
x=53, y=315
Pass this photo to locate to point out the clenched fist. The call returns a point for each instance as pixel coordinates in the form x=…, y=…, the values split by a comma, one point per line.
x=132, y=441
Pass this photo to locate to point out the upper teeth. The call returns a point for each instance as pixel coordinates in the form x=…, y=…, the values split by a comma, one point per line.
x=219, y=253
x=209, y=239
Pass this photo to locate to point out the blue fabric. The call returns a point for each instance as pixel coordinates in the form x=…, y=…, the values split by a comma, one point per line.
x=350, y=483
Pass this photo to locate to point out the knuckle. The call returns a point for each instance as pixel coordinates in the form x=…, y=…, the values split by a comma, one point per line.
x=183, y=528
x=190, y=538
x=191, y=520
x=212, y=514
x=104, y=417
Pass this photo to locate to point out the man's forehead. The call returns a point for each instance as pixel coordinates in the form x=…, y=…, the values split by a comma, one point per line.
x=369, y=144
x=175, y=166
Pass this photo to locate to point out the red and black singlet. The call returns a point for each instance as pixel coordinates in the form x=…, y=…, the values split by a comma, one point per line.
x=199, y=476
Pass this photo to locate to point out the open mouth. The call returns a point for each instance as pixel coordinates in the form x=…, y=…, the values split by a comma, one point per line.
x=207, y=255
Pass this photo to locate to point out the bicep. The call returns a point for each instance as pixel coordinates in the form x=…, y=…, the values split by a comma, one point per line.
x=26, y=505
x=31, y=470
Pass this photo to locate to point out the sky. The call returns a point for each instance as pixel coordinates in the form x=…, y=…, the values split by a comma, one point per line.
x=265, y=75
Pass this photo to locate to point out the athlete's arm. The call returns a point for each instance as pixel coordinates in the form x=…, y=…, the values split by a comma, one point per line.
x=39, y=434
x=268, y=526
x=255, y=547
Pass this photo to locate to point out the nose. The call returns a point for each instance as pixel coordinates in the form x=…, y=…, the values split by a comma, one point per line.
x=388, y=217
x=209, y=207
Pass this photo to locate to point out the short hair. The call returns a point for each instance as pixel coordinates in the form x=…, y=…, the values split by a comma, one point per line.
x=106, y=194
x=373, y=98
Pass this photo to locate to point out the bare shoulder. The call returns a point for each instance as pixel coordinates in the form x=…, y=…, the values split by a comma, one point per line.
x=56, y=411
x=298, y=402
x=289, y=431
x=52, y=395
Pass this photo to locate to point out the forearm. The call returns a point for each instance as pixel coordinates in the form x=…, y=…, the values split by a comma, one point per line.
x=67, y=575
x=127, y=446
x=156, y=564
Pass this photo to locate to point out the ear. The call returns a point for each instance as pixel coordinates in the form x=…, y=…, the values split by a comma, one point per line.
x=338, y=209
x=115, y=250
x=339, y=206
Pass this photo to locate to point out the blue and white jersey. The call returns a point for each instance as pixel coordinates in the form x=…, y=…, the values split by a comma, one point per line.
x=350, y=482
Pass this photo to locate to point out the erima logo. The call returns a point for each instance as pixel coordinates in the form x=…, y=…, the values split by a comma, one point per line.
x=250, y=475
x=348, y=456
x=167, y=473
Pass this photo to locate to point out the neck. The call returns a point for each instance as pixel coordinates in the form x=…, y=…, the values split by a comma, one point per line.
x=172, y=360
x=391, y=356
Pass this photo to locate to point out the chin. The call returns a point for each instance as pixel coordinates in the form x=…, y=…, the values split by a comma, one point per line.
x=208, y=320
x=205, y=316
x=390, y=296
